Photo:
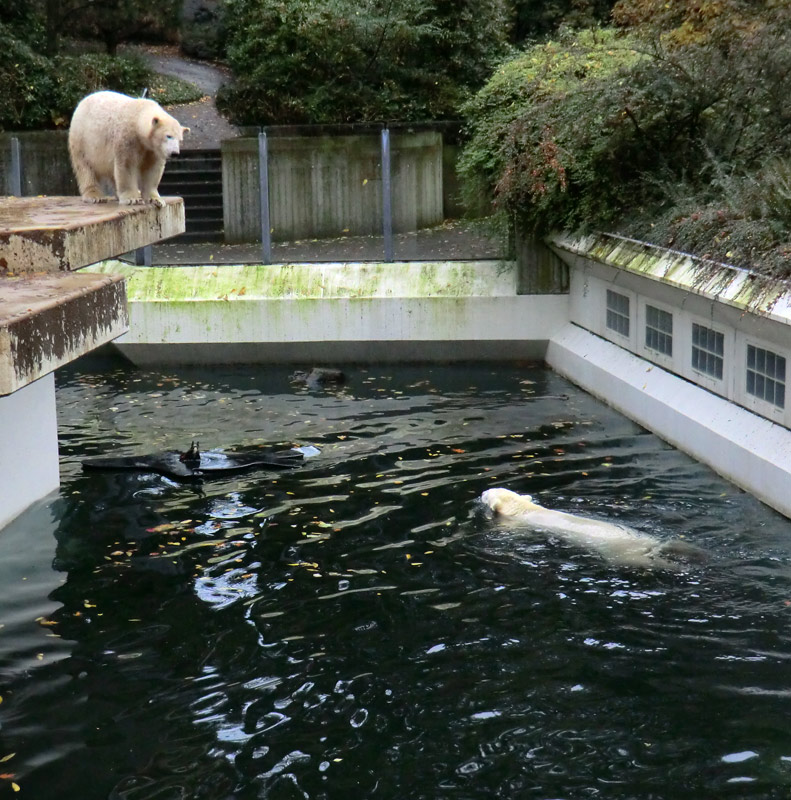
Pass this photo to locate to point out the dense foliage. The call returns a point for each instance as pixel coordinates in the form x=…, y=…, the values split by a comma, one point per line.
x=37, y=92
x=353, y=60
x=683, y=140
x=532, y=128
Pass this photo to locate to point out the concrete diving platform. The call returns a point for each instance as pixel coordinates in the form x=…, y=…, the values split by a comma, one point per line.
x=50, y=315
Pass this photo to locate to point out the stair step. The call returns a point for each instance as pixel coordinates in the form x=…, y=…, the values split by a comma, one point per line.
x=203, y=222
x=203, y=211
x=195, y=180
x=193, y=186
x=196, y=176
x=197, y=236
x=202, y=201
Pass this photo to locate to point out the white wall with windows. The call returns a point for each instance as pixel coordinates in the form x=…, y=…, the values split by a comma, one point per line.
x=742, y=356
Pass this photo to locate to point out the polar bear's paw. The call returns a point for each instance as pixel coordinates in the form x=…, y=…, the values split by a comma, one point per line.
x=157, y=201
x=96, y=199
x=131, y=201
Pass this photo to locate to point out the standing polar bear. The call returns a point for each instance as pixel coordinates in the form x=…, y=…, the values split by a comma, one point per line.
x=123, y=140
x=616, y=543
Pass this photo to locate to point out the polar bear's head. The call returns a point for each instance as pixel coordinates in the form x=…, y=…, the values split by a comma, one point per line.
x=165, y=133
x=508, y=503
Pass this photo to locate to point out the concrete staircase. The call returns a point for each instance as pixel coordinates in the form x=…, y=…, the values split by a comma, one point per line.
x=196, y=175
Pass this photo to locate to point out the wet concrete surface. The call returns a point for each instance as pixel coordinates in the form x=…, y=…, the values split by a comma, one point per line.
x=45, y=234
x=454, y=240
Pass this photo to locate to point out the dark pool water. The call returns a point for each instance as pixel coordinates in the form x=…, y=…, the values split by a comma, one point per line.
x=357, y=628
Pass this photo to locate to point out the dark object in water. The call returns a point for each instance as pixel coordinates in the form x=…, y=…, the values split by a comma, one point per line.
x=319, y=376
x=194, y=464
x=192, y=457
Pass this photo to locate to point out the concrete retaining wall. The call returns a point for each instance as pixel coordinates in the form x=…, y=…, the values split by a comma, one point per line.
x=298, y=313
x=45, y=163
x=328, y=186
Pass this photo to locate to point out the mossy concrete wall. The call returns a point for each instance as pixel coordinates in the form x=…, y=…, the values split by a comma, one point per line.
x=418, y=311
x=709, y=413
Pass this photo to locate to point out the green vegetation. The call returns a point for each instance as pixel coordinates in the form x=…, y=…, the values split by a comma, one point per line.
x=39, y=92
x=41, y=80
x=352, y=60
x=679, y=135
x=169, y=90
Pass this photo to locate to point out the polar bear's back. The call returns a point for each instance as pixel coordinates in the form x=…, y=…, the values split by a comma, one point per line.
x=105, y=123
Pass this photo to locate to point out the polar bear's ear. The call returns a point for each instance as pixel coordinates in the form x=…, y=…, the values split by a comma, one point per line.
x=155, y=121
x=184, y=129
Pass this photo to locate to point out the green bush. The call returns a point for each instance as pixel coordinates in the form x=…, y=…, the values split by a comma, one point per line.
x=77, y=76
x=667, y=143
x=169, y=90
x=26, y=85
x=203, y=36
x=355, y=60
x=522, y=126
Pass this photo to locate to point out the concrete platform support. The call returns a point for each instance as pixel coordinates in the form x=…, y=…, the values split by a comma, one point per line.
x=28, y=447
x=50, y=315
x=748, y=450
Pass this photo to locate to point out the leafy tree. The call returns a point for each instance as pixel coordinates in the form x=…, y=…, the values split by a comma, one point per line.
x=686, y=143
x=352, y=60
x=521, y=124
x=26, y=84
x=697, y=21
x=113, y=21
x=23, y=20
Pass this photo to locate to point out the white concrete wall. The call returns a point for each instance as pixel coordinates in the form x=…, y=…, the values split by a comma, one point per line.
x=752, y=452
x=716, y=420
x=689, y=303
x=28, y=447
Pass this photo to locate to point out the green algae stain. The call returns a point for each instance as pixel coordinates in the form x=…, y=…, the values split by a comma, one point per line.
x=230, y=283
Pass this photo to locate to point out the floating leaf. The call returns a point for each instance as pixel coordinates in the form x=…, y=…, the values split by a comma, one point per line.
x=167, y=526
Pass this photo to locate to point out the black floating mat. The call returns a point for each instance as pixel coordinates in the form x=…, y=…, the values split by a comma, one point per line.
x=210, y=463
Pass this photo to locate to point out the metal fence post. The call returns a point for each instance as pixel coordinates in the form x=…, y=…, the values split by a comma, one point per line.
x=16, y=168
x=143, y=256
x=387, y=201
x=263, y=177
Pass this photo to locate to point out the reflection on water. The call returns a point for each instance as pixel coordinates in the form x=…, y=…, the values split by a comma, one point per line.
x=357, y=628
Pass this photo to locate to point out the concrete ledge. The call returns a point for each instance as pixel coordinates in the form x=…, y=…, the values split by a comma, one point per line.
x=50, y=234
x=48, y=320
x=748, y=450
x=712, y=280
x=245, y=283
x=332, y=352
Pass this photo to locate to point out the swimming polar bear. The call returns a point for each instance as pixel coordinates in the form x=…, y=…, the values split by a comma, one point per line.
x=617, y=543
